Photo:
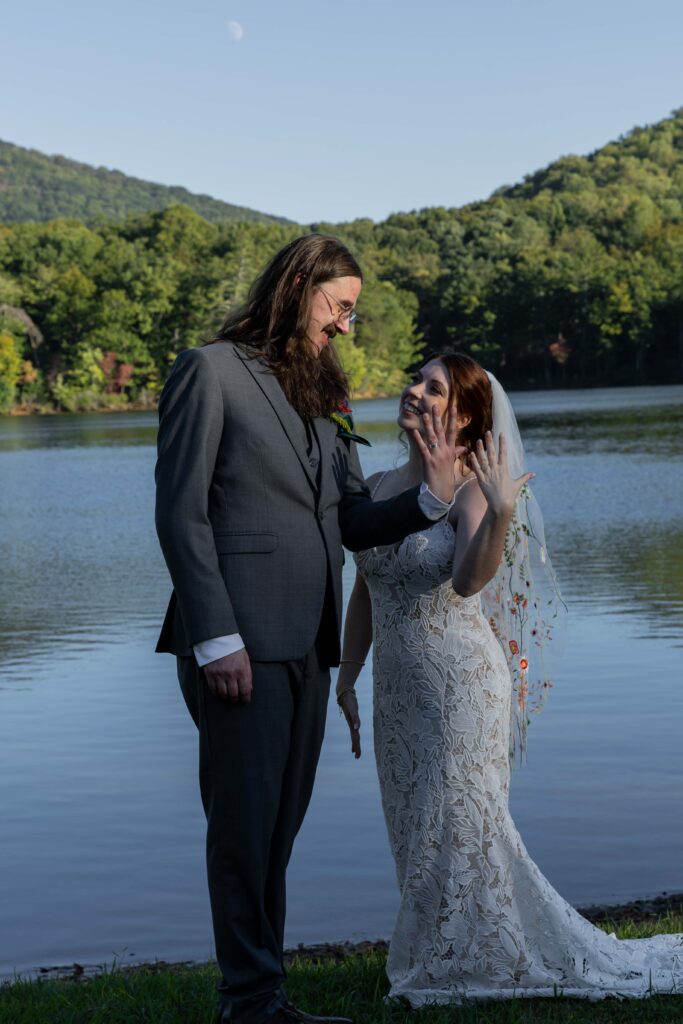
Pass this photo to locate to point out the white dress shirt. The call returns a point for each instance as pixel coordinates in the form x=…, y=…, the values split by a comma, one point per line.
x=219, y=646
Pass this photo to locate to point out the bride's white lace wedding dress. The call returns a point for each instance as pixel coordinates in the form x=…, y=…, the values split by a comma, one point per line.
x=477, y=918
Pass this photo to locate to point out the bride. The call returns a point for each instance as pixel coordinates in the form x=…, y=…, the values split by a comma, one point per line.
x=462, y=619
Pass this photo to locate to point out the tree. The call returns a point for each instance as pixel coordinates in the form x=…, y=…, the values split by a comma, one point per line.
x=10, y=371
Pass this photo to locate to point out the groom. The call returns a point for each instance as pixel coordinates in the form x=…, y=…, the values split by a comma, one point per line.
x=257, y=490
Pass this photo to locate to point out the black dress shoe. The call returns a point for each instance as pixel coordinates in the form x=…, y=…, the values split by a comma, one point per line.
x=288, y=1014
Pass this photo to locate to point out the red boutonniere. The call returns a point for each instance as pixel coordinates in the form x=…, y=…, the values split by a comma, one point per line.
x=343, y=419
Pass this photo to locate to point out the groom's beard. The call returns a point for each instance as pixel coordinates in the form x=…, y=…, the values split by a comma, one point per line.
x=313, y=384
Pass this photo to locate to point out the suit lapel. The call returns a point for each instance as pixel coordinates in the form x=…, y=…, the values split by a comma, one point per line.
x=289, y=419
x=326, y=432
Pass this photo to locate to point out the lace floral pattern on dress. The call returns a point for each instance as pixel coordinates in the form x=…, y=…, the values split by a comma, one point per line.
x=477, y=919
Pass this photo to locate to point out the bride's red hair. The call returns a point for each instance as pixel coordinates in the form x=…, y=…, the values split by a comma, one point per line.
x=471, y=389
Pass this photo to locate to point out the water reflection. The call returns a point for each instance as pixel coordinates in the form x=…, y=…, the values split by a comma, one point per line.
x=638, y=574
x=638, y=431
x=78, y=549
x=81, y=563
x=18, y=433
x=102, y=840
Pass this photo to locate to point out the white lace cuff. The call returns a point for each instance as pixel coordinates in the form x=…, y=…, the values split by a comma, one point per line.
x=433, y=507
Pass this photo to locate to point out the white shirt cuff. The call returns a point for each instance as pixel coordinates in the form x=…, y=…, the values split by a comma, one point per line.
x=433, y=507
x=217, y=647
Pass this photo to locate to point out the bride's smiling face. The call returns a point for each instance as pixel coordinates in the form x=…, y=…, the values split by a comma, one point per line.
x=429, y=387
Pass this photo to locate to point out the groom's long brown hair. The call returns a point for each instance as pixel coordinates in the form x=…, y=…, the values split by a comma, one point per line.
x=273, y=322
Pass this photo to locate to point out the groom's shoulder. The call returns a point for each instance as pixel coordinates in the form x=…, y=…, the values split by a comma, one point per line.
x=214, y=353
x=208, y=371
x=217, y=358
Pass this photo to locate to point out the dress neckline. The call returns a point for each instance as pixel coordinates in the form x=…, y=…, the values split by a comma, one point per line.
x=393, y=549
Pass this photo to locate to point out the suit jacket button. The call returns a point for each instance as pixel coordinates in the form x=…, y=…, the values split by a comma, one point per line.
x=321, y=514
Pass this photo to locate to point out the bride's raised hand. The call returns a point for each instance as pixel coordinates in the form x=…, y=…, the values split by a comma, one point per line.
x=440, y=452
x=491, y=469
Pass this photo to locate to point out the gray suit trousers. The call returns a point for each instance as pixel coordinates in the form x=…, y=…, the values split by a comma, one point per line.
x=257, y=766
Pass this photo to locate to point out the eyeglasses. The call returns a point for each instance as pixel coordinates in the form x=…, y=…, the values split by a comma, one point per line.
x=346, y=313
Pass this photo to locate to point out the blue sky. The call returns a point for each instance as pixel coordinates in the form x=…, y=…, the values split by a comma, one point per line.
x=322, y=111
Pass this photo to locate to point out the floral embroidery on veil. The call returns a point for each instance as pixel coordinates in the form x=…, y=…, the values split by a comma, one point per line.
x=526, y=613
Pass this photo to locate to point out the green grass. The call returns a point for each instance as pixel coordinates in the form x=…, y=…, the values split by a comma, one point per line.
x=355, y=988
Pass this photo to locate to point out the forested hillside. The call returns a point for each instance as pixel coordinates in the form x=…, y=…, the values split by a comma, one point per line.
x=92, y=318
x=572, y=277
x=37, y=187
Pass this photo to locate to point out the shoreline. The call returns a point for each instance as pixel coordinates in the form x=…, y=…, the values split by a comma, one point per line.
x=45, y=409
x=638, y=911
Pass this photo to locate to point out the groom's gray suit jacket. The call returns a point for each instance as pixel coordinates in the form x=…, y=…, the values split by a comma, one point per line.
x=250, y=527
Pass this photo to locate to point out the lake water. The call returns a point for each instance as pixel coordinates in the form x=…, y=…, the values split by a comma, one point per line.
x=101, y=829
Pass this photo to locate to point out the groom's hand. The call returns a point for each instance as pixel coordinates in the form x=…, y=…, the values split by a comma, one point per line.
x=230, y=677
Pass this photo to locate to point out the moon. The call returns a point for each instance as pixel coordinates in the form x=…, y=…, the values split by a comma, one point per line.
x=236, y=31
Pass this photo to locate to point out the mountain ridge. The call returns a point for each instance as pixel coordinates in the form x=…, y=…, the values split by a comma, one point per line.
x=35, y=186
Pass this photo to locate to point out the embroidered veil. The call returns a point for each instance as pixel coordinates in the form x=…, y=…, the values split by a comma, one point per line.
x=523, y=602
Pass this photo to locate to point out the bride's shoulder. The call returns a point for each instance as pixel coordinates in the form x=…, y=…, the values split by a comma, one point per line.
x=375, y=479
